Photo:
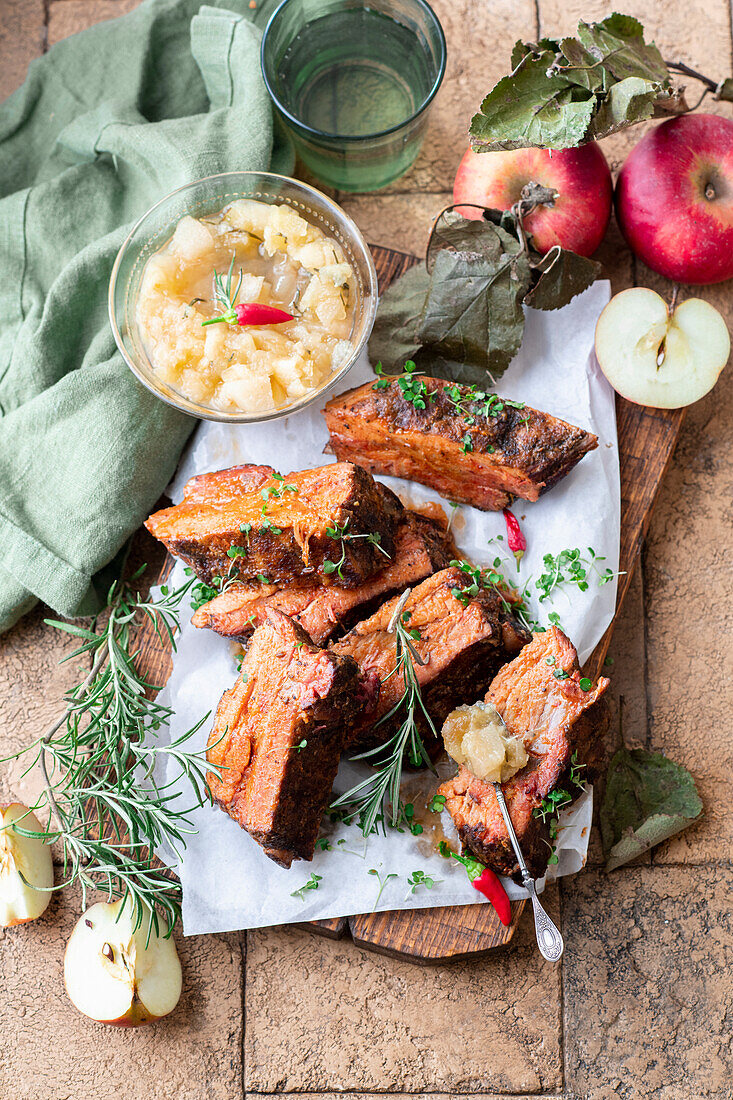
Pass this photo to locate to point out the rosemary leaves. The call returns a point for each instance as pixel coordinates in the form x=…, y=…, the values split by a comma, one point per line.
x=102, y=800
x=368, y=799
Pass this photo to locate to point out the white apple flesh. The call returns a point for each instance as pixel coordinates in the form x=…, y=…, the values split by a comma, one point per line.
x=653, y=358
x=26, y=867
x=113, y=976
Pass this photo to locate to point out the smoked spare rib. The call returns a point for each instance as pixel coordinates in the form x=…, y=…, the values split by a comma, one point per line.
x=555, y=719
x=453, y=445
x=278, y=735
x=249, y=523
x=464, y=640
x=422, y=545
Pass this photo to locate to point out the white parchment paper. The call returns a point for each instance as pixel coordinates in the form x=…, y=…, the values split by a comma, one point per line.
x=228, y=883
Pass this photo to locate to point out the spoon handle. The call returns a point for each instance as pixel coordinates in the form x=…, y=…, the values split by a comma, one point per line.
x=549, y=940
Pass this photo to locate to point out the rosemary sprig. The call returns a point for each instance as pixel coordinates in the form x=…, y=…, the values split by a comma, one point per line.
x=367, y=799
x=224, y=296
x=100, y=800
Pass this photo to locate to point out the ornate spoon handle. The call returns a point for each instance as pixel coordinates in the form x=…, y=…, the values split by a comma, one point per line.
x=549, y=940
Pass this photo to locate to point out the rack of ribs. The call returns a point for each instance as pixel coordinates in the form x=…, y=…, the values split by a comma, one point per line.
x=422, y=545
x=453, y=445
x=278, y=735
x=250, y=523
x=554, y=718
x=464, y=640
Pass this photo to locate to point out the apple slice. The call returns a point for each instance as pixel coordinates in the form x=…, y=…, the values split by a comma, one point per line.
x=112, y=976
x=655, y=359
x=26, y=867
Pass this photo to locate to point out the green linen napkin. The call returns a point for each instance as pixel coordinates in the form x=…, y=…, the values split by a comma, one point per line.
x=106, y=123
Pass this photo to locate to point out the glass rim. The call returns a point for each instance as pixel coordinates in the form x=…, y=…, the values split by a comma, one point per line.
x=203, y=412
x=351, y=138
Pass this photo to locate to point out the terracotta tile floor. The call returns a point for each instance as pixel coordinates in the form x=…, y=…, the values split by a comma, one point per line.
x=643, y=1002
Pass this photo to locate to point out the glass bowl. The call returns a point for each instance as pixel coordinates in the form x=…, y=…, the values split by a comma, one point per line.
x=208, y=196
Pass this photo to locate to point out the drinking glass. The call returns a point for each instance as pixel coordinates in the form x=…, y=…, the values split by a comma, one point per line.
x=352, y=80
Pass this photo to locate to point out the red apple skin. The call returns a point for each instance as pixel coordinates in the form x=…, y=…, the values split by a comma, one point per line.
x=580, y=216
x=661, y=202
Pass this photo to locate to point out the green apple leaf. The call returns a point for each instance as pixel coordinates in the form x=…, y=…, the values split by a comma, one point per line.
x=460, y=316
x=648, y=799
x=394, y=337
x=473, y=311
x=563, y=93
x=558, y=276
x=533, y=106
x=618, y=44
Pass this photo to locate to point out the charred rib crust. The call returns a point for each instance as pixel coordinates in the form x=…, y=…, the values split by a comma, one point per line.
x=465, y=641
x=278, y=736
x=519, y=452
x=204, y=527
x=423, y=545
x=556, y=719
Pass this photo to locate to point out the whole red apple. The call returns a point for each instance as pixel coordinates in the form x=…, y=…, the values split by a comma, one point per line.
x=674, y=199
x=579, y=217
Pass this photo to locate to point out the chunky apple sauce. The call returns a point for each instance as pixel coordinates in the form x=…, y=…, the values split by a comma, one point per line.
x=254, y=254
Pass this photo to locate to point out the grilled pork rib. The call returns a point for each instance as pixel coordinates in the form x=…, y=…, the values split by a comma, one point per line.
x=465, y=640
x=422, y=545
x=554, y=719
x=278, y=735
x=465, y=455
x=248, y=523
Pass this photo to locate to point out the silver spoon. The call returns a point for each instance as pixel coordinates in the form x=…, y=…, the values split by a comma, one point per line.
x=549, y=940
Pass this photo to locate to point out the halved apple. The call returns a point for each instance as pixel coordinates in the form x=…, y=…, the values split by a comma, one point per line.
x=112, y=975
x=26, y=867
x=657, y=359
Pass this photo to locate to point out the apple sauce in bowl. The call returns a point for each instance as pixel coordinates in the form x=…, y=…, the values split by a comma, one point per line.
x=244, y=298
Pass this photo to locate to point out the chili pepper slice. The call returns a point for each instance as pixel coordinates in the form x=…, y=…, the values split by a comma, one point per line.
x=517, y=541
x=487, y=883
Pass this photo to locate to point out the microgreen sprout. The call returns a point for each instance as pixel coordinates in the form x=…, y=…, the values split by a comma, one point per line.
x=382, y=880
x=312, y=884
x=418, y=879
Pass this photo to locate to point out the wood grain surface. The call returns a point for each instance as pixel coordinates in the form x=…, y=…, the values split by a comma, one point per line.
x=646, y=441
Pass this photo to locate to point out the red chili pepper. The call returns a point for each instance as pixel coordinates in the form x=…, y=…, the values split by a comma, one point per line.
x=249, y=313
x=490, y=886
x=487, y=883
x=517, y=541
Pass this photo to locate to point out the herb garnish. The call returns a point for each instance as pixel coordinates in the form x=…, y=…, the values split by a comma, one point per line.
x=312, y=884
x=382, y=880
x=225, y=297
x=100, y=799
x=418, y=879
x=367, y=799
x=339, y=531
x=414, y=390
x=570, y=567
x=560, y=797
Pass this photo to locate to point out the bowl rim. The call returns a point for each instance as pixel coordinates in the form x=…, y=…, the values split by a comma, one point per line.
x=313, y=131
x=185, y=405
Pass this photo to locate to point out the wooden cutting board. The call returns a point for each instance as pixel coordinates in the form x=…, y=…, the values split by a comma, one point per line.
x=646, y=441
